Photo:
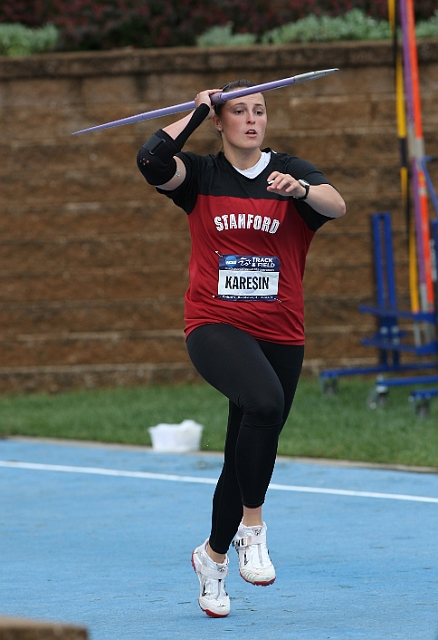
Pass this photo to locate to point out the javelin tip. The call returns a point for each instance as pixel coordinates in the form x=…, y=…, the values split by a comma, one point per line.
x=313, y=75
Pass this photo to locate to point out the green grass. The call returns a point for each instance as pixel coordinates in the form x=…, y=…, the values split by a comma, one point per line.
x=343, y=427
x=339, y=426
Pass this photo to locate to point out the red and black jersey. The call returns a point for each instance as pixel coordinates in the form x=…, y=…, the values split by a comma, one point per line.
x=249, y=246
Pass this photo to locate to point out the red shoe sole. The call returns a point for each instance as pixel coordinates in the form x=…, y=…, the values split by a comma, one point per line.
x=212, y=614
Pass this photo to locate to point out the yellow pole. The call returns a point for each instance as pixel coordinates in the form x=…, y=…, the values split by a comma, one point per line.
x=404, y=161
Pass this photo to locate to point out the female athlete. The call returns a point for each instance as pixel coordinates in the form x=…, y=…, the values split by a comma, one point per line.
x=252, y=214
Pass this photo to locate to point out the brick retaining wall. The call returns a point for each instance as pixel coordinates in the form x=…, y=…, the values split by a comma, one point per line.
x=93, y=263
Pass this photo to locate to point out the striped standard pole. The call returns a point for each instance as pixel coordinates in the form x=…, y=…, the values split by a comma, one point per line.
x=416, y=152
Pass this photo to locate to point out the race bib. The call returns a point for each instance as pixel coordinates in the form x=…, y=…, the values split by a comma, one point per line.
x=252, y=278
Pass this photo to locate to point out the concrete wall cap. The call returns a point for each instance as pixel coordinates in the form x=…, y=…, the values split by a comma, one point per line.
x=299, y=57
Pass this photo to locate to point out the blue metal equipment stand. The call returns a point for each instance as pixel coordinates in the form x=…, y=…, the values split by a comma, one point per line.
x=420, y=398
x=388, y=339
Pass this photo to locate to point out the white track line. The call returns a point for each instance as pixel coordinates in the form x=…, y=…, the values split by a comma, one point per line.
x=106, y=472
x=175, y=478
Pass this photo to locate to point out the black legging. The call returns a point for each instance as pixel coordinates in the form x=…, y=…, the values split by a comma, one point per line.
x=259, y=378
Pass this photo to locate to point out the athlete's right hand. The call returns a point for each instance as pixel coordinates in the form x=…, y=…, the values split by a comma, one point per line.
x=205, y=97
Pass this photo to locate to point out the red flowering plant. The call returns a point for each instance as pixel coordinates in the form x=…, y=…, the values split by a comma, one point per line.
x=105, y=24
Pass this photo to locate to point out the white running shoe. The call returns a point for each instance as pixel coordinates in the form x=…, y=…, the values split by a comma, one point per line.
x=213, y=599
x=254, y=562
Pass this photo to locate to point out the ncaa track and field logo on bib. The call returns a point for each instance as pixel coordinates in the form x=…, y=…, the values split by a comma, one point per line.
x=250, y=278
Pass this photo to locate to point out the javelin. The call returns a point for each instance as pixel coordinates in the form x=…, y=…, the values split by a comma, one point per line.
x=215, y=99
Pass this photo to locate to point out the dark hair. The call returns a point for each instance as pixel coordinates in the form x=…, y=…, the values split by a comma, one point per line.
x=229, y=87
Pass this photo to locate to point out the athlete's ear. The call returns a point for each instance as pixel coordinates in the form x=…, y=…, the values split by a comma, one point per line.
x=217, y=122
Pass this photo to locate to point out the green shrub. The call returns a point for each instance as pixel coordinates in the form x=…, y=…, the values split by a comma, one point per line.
x=297, y=9
x=428, y=28
x=354, y=25
x=223, y=36
x=18, y=40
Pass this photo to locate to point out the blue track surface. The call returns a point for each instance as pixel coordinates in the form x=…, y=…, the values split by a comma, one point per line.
x=355, y=549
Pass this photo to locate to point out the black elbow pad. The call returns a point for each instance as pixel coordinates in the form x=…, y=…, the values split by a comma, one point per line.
x=155, y=159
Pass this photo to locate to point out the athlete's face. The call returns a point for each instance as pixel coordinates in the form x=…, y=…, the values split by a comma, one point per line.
x=242, y=122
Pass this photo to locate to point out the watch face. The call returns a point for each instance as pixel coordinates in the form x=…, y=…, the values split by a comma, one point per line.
x=304, y=183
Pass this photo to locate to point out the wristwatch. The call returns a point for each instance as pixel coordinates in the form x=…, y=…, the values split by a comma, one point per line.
x=306, y=185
